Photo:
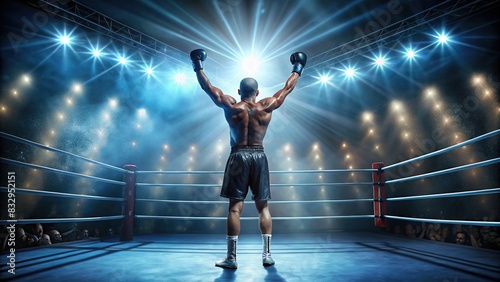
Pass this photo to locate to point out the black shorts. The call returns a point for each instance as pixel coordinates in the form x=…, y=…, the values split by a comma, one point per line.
x=246, y=167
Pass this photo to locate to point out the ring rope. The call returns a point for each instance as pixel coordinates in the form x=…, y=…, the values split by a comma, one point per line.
x=446, y=195
x=252, y=218
x=461, y=144
x=271, y=172
x=60, y=220
x=270, y=202
x=68, y=173
x=443, y=221
x=59, y=194
x=444, y=171
x=31, y=143
x=272, y=185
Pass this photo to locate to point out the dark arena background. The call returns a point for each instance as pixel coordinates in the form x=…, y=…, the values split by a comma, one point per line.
x=385, y=151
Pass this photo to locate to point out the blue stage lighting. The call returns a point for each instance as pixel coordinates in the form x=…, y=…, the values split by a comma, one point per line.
x=96, y=53
x=122, y=60
x=350, y=72
x=380, y=61
x=180, y=78
x=442, y=38
x=410, y=53
x=324, y=79
x=64, y=39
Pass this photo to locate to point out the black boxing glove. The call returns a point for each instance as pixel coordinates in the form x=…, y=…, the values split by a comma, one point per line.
x=197, y=57
x=298, y=60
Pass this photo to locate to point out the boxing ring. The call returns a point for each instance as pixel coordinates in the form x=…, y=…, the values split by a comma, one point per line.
x=323, y=256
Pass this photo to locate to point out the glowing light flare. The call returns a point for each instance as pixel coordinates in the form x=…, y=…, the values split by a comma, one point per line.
x=77, y=88
x=380, y=61
x=477, y=79
x=96, y=53
x=64, y=39
x=368, y=117
x=349, y=72
x=430, y=92
x=142, y=113
x=442, y=38
x=397, y=106
x=250, y=65
x=113, y=103
x=324, y=79
x=180, y=78
x=410, y=53
x=26, y=79
x=122, y=60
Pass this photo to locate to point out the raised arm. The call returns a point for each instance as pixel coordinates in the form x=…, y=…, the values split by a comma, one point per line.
x=298, y=61
x=217, y=96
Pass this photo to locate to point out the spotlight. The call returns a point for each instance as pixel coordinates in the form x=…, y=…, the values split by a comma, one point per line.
x=349, y=72
x=250, y=65
x=442, y=38
x=410, y=53
x=149, y=70
x=122, y=60
x=367, y=117
x=477, y=80
x=396, y=105
x=142, y=112
x=96, y=53
x=113, y=103
x=324, y=79
x=380, y=61
x=180, y=78
x=64, y=39
x=26, y=79
x=430, y=92
x=77, y=88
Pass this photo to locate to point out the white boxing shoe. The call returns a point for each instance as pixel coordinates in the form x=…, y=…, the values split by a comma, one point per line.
x=227, y=263
x=267, y=260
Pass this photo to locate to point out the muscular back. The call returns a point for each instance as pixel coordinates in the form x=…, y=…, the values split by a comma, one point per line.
x=248, y=122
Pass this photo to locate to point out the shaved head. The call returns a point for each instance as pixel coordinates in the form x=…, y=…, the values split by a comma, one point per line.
x=248, y=87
